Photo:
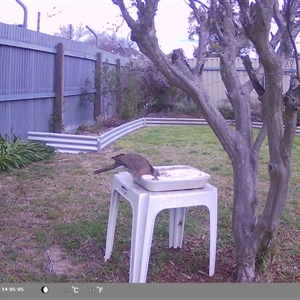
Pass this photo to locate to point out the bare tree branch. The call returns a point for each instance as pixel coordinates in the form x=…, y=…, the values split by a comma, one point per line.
x=130, y=21
x=256, y=22
x=204, y=19
x=289, y=16
x=252, y=75
x=278, y=16
x=260, y=138
x=144, y=34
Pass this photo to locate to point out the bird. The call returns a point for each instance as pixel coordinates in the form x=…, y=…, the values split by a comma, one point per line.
x=134, y=163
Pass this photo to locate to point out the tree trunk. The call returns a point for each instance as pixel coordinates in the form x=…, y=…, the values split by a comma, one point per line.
x=254, y=237
x=252, y=244
x=245, y=210
x=245, y=270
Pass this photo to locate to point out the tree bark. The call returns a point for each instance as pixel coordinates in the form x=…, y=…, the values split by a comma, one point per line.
x=245, y=209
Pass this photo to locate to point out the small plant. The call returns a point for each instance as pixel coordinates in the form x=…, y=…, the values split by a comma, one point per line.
x=95, y=128
x=146, y=90
x=17, y=153
x=87, y=94
x=55, y=122
x=226, y=110
x=265, y=256
x=186, y=106
x=109, y=87
x=131, y=95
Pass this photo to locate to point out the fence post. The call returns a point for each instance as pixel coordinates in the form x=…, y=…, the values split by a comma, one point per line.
x=97, y=100
x=119, y=84
x=57, y=117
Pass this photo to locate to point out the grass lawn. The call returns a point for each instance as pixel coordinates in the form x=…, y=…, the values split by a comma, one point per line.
x=54, y=215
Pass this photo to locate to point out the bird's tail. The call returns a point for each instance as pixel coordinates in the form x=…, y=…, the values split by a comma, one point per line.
x=111, y=167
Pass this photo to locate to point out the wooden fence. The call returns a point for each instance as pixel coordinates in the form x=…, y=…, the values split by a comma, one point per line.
x=215, y=86
x=47, y=83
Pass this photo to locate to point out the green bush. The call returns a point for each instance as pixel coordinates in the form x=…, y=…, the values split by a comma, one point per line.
x=128, y=107
x=17, y=153
x=227, y=112
x=185, y=106
x=127, y=110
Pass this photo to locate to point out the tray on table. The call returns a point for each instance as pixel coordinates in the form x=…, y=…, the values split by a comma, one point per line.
x=174, y=178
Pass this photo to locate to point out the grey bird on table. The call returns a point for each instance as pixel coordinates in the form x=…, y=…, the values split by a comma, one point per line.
x=134, y=163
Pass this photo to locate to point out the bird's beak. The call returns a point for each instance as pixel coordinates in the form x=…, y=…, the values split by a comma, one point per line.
x=156, y=175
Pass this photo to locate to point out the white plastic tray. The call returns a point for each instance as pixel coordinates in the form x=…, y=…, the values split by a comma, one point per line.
x=174, y=178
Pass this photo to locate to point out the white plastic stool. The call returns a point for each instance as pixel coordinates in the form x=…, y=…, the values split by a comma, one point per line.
x=146, y=205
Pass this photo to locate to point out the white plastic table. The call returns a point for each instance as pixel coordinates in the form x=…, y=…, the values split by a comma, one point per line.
x=146, y=205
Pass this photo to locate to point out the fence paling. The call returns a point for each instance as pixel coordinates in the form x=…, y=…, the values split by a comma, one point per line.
x=54, y=93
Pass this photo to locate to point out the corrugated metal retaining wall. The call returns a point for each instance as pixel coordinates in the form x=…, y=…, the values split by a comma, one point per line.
x=27, y=85
x=77, y=143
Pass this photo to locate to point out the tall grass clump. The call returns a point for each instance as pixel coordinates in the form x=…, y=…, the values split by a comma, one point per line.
x=18, y=153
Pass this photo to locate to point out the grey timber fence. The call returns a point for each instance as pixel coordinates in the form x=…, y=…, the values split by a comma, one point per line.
x=47, y=83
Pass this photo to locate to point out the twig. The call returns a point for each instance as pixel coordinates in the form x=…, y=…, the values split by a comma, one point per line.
x=203, y=273
x=51, y=263
x=288, y=15
x=188, y=277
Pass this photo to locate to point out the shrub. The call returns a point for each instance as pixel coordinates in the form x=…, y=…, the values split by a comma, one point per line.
x=131, y=95
x=17, y=153
x=227, y=112
x=147, y=90
x=186, y=106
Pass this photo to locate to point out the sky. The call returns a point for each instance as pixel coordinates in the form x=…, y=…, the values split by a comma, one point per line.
x=171, y=19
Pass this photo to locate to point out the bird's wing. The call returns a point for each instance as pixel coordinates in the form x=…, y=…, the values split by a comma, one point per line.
x=133, y=162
